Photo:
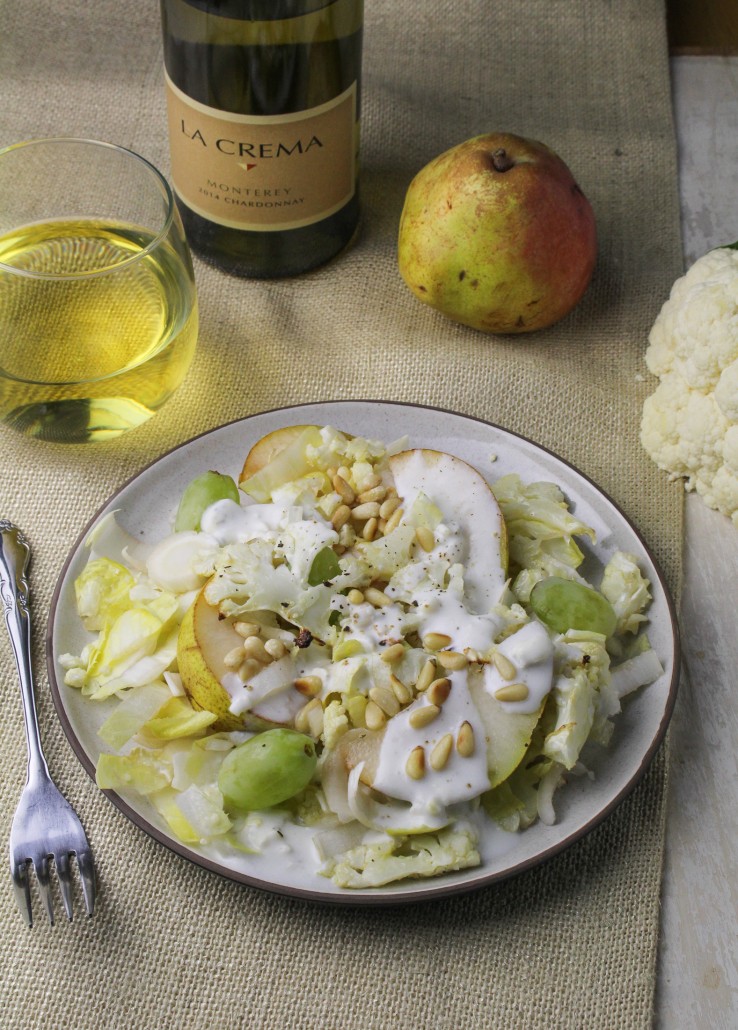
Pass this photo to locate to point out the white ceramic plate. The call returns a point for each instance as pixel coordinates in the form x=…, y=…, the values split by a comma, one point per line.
x=145, y=507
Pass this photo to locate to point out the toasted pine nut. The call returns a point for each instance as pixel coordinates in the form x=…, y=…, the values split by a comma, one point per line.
x=315, y=717
x=425, y=538
x=309, y=686
x=275, y=648
x=386, y=700
x=393, y=653
x=394, y=520
x=253, y=647
x=440, y=753
x=247, y=629
x=415, y=765
x=424, y=716
x=249, y=668
x=374, y=716
x=340, y=516
x=355, y=596
x=374, y=493
x=388, y=506
x=438, y=691
x=234, y=658
x=452, y=660
x=426, y=676
x=370, y=529
x=465, y=740
x=504, y=666
x=436, y=641
x=512, y=692
x=403, y=693
x=370, y=510
x=376, y=597
x=342, y=488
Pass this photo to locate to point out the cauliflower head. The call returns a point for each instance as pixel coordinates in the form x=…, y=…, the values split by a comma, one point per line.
x=690, y=423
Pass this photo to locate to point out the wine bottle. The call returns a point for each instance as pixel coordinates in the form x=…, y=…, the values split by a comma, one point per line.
x=263, y=110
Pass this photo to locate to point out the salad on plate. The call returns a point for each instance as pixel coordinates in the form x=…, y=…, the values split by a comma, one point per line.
x=356, y=658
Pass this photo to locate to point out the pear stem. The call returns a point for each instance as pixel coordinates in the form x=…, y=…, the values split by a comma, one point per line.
x=501, y=160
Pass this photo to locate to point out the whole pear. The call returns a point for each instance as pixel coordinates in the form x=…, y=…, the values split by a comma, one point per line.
x=496, y=234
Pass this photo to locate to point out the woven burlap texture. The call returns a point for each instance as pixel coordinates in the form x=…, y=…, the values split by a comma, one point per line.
x=571, y=944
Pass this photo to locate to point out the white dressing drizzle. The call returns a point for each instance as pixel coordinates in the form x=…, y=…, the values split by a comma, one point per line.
x=531, y=651
x=460, y=779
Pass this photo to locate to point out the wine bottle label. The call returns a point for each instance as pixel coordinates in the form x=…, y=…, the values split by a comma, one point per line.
x=263, y=172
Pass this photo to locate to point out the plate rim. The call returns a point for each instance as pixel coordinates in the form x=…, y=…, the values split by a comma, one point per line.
x=381, y=896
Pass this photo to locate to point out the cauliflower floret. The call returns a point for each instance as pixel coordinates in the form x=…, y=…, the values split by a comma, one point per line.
x=397, y=858
x=689, y=423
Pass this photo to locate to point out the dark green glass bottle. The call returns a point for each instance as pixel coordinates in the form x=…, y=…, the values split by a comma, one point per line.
x=263, y=104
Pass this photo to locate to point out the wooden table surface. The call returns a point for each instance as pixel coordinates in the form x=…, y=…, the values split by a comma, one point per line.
x=697, y=985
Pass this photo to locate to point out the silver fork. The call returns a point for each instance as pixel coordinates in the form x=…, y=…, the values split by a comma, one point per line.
x=45, y=825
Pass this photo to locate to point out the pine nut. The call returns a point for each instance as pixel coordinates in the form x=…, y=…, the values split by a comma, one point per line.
x=344, y=491
x=504, y=666
x=512, y=692
x=441, y=752
x=424, y=716
x=355, y=596
x=309, y=686
x=370, y=529
x=386, y=700
x=436, y=641
x=344, y=472
x=465, y=740
x=375, y=493
x=315, y=717
x=374, y=716
x=438, y=691
x=452, y=660
x=425, y=538
x=394, y=520
x=247, y=629
x=249, y=668
x=415, y=765
x=393, y=653
x=356, y=706
x=376, y=597
x=403, y=693
x=253, y=647
x=234, y=658
x=370, y=510
x=340, y=516
x=426, y=676
x=389, y=506
x=275, y=648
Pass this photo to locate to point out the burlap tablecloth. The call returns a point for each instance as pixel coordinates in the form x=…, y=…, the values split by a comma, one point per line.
x=571, y=944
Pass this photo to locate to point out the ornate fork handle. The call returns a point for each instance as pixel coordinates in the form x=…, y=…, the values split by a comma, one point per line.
x=14, y=560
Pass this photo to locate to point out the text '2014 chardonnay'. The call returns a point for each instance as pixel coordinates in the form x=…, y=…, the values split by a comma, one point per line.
x=263, y=109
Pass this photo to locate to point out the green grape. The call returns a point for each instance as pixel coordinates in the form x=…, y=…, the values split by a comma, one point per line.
x=198, y=495
x=324, y=568
x=267, y=769
x=565, y=604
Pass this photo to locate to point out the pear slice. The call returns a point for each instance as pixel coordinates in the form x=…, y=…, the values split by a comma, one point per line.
x=276, y=459
x=204, y=640
x=507, y=734
x=464, y=497
x=268, y=447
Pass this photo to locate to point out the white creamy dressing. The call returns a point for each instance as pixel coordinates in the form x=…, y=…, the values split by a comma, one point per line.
x=231, y=523
x=460, y=779
x=531, y=651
